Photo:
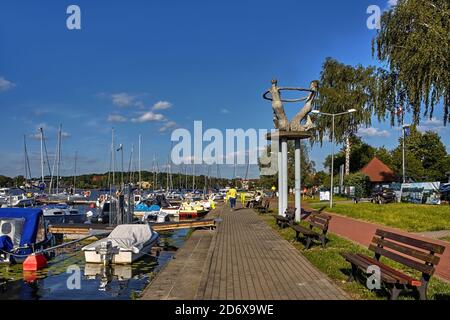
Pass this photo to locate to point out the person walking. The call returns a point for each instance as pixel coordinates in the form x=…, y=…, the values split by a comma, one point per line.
x=243, y=198
x=232, y=194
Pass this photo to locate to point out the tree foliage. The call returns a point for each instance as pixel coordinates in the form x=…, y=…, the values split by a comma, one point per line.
x=425, y=156
x=414, y=43
x=360, y=181
x=344, y=87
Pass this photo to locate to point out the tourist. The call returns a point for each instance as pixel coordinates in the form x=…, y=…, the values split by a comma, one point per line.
x=254, y=201
x=243, y=198
x=232, y=194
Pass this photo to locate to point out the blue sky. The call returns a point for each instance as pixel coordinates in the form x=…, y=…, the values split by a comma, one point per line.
x=147, y=67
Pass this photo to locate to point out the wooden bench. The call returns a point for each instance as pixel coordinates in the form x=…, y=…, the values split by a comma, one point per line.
x=318, y=222
x=413, y=253
x=288, y=219
x=263, y=208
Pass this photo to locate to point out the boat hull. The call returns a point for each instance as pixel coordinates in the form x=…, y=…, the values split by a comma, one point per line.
x=123, y=256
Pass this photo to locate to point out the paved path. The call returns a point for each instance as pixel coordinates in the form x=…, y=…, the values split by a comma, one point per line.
x=249, y=260
x=434, y=234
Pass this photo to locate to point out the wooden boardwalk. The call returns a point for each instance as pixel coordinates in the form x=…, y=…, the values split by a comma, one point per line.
x=249, y=260
x=181, y=277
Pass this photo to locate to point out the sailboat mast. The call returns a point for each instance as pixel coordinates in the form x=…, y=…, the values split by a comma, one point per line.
x=27, y=160
x=58, y=163
x=75, y=173
x=41, y=130
x=193, y=175
x=113, y=156
x=139, y=156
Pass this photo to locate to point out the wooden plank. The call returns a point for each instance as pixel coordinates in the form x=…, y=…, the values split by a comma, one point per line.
x=362, y=263
x=426, y=257
x=391, y=271
x=432, y=247
x=403, y=260
x=251, y=261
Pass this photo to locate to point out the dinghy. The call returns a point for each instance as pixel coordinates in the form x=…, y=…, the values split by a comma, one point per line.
x=125, y=244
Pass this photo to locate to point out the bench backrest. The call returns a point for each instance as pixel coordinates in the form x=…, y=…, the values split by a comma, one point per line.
x=290, y=213
x=319, y=220
x=414, y=253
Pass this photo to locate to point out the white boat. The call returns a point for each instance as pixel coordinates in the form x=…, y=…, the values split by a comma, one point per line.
x=62, y=213
x=16, y=198
x=124, y=245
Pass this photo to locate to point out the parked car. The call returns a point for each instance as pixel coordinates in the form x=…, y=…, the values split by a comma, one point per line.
x=383, y=195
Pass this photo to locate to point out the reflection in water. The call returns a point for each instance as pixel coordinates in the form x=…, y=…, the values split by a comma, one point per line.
x=96, y=282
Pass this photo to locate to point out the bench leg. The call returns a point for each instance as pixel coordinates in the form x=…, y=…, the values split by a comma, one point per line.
x=352, y=275
x=423, y=288
x=308, y=242
x=323, y=239
x=395, y=292
x=422, y=292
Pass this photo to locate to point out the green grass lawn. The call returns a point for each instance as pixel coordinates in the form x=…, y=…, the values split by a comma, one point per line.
x=330, y=262
x=445, y=239
x=291, y=198
x=406, y=216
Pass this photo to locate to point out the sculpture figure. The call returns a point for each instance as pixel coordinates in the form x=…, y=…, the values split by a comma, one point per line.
x=279, y=115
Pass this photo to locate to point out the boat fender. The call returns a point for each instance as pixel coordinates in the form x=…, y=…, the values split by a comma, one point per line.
x=34, y=262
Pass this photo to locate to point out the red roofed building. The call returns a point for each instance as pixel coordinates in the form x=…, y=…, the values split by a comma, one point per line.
x=378, y=172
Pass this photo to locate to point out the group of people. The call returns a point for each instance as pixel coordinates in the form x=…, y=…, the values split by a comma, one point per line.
x=232, y=194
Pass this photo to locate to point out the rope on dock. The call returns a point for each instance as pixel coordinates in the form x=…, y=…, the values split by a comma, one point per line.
x=54, y=247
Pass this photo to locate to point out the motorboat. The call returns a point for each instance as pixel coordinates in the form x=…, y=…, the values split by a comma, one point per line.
x=16, y=198
x=124, y=245
x=23, y=231
x=150, y=213
x=62, y=213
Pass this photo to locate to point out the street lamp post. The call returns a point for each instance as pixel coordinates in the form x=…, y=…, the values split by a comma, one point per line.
x=332, y=115
x=403, y=152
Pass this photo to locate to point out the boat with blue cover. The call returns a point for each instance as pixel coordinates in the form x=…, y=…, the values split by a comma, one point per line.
x=23, y=231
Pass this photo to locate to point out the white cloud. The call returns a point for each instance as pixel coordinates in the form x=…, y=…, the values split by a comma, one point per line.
x=149, y=116
x=65, y=134
x=116, y=118
x=6, y=85
x=162, y=105
x=432, y=124
x=123, y=99
x=168, y=125
x=392, y=3
x=35, y=136
x=373, y=132
x=225, y=111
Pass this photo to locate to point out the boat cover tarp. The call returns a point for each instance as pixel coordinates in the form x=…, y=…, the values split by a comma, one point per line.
x=126, y=237
x=145, y=207
x=30, y=225
x=444, y=188
x=6, y=243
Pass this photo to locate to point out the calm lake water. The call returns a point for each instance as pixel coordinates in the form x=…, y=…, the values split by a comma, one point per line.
x=97, y=282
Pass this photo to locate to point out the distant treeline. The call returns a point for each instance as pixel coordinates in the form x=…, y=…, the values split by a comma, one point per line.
x=102, y=180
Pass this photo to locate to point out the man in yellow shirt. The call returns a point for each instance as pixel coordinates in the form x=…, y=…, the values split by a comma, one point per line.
x=232, y=194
